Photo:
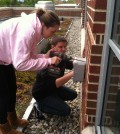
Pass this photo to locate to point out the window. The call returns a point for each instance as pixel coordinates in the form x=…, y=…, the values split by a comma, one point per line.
x=108, y=103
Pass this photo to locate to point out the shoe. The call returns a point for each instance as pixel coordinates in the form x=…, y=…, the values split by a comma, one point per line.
x=7, y=129
x=14, y=121
x=37, y=111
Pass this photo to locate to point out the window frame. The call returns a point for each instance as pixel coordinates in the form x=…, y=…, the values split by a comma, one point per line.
x=108, y=44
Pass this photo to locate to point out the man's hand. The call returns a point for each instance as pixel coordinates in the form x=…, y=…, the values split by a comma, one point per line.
x=55, y=60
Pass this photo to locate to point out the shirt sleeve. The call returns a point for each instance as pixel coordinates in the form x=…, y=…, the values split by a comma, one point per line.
x=39, y=55
x=69, y=65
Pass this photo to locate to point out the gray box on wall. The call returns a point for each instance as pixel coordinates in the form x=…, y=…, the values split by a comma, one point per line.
x=79, y=69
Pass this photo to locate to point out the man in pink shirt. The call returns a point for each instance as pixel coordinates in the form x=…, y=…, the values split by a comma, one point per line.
x=18, y=39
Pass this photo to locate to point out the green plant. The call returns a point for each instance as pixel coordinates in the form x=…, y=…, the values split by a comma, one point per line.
x=26, y=77
x=25, y=81
x=17, y=3
x=29, y=2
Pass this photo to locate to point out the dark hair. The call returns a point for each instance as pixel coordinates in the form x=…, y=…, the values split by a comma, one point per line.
x=48, y=17
x=57, y=39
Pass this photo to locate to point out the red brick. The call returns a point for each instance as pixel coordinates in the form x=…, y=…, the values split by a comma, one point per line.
x=100, y=4
x=91, y=111
x=6, y=13
x=93, y=69
x=95, y=27
x=95, y=59
x=97, y=16
x=97, y=4
x=100, y=16
x=92, y=96
x=93, y=78
x=98, y=28
x=96, y=49
x=91, y=104
x=92, y=87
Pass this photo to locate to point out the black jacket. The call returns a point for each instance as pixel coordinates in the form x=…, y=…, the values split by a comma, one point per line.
x=45, y=81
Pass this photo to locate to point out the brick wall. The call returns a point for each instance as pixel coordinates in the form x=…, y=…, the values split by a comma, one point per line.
x=16, y=11
x=6, y=13
x=68, y=12
x=95, y=28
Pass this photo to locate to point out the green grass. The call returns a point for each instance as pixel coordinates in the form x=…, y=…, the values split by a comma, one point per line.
x=25, y=81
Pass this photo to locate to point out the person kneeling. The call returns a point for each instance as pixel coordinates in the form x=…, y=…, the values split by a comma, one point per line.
x=49, y=90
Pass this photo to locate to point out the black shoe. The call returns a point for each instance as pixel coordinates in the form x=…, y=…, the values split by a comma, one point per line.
x=38, y=113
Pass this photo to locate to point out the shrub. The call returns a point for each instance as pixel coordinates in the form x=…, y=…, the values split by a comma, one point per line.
x=17, y=3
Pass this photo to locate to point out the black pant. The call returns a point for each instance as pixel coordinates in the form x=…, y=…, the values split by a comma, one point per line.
x=55, y=104
x=7, y=91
